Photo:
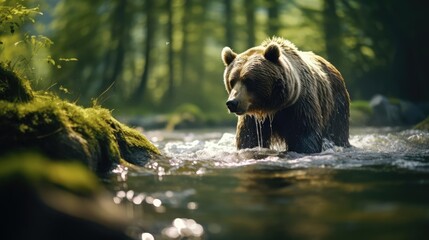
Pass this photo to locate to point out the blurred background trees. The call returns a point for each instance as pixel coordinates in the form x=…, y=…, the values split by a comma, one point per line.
x=154, y=56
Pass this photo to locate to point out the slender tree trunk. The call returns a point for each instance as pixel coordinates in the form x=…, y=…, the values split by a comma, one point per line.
x=150, y=34
x=250, y=17
x=332, y=32
x=229, y=23
x=95, y=88
x=170, y=35
x=201, y=44
x=185, y=50
x=273, y=17
x=119, y=33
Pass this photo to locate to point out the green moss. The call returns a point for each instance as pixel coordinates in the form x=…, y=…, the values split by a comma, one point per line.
x=64, y=130
x=423, y=125
x=395, y=101
x=361, y=106
x=13, y=88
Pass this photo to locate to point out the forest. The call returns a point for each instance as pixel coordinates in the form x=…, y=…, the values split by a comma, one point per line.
x=81, y=82
x=156, y=56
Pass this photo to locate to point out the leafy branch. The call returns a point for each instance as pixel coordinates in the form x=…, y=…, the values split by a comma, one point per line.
x=23, y=52
x=12, y=17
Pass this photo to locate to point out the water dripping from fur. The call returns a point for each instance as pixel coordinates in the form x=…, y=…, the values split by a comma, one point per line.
x=259, y=123
x=259, y=132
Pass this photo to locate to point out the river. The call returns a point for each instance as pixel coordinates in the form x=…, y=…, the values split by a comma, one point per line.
x=205, y=189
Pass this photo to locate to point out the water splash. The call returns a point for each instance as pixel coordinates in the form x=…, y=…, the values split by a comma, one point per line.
x=201, y=153
x=371, y=147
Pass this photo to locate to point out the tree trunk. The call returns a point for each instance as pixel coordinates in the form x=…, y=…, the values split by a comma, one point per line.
x=170, y=35
x=273, y=17
x=139, y=93
x=116, y=56
x=201, y=44
x=250, y=17
x=229, y=23
x=332, y=33
x=185, y=49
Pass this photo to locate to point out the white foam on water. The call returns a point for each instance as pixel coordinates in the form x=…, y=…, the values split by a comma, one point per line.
x=198, y=155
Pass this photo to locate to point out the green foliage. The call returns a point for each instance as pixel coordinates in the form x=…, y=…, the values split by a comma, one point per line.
x=25, y=52
x=13, y=14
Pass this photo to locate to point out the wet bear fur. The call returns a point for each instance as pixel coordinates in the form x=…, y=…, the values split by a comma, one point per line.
x=283, y=95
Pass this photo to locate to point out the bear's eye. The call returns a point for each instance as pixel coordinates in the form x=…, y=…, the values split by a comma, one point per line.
x=250, y=83
x=233, y=82
x=248, y=80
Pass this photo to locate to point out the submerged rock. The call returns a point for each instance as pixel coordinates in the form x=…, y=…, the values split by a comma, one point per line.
x=384, y=113
x=60, y=129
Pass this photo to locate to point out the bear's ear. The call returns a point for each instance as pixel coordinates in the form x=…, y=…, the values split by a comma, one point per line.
x=228, y=55
x=272, y=52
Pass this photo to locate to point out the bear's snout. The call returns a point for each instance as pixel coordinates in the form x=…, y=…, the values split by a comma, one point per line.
x=238, y=101
x=232, y=105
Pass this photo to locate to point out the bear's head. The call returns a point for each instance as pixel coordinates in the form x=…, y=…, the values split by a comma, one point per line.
x=255, y=80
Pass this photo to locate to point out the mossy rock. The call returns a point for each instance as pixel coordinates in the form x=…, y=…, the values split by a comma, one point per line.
x=423, y=125
x=63, y=130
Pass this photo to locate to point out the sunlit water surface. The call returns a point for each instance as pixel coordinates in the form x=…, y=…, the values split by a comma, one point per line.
x=205, y=189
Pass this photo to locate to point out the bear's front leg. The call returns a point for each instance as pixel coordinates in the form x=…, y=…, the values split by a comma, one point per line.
x=305, y=143
x=251, y=133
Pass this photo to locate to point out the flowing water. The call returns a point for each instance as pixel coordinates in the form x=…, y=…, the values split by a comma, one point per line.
x=205, y=189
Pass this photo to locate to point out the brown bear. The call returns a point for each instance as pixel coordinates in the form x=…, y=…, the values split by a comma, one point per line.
x=302, y=95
